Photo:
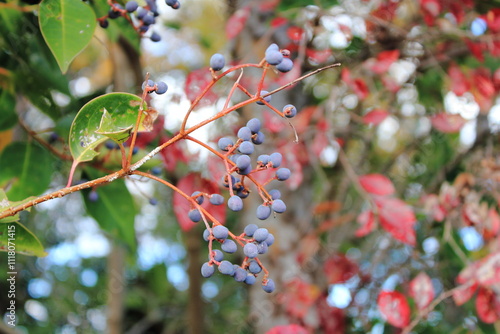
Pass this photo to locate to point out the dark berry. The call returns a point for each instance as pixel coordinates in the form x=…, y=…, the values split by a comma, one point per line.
x=235, y=203
x=207, y=270
x=263, y=212
x=275, y=159
x=104, y=23
x=229, y=246
x=254, y=267
x=216, y=199
x=260, y=234
x=240, y=274
x=245, y=133
x=274, y=57
x=217, y=62
x=250, y=250
x=148, y=20
x=268, y=286
x=194, y=215
x=226, y=268
x=258, y=138
x=220, y=232
x=155, y=37
x=153, y=201
x=267, y=98
x=275, y=194
x=246, y=147
x=250, y=229
x=224, y=143
x=250, y=279
x=254, y=125
x=285, y=66
x=93, y=196
x=161, y=87
x=289, y=111
x=278, y=206
x=283, y=174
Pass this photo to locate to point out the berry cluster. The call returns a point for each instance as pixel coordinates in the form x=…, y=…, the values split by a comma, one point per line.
x=279, y=58
x=144, y=17
x=159, y=87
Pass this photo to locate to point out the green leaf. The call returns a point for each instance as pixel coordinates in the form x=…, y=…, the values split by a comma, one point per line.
x=109, y=129
x=15, y=237
x=112, y=112
x=5, y=204
x=114, y=210
x=7, y=110
x=67, y=27
x=25, y=170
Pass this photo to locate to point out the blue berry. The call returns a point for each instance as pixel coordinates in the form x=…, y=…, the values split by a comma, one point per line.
x=275, y=194
x=272, y=47
x=246, y=147
x=254, y=267
x=153, y=201
x=260, y=234
x=141, y=12
x=245, y=171
x=268, y=286
x=207, y=270
x=206, y=234
x=235, y=203
x=240, y=274
x=176, y=5
x=156, y=171
x=250, y=229
x=220, y=232
x=242, y=193
x=131, y=6
x=275, y=159
x=263, y=159
x=258, y=138
x=250, y=279
x=243, y=161
x=93, y=196
x=135, y=150
x=254, y=125
x=283, y=174
x=226, y=268
x=250, y=250
x=285, y=66
x=217, y=62
x=218, y=255
x=110, y=145
x=229, y=246
x=104, y=23
x=274, y=57
x=161, y=87
x=267, y=98
x=289, y=111
x=194, y=215
x=263, y=212
x=149, y=83
x=216, y=199
x=262, y=247
x=115, y=13
x=278, y=206
x=200, y=197
x=245, y=133
x=148, y=20
x=224, y=143
x=270, y=239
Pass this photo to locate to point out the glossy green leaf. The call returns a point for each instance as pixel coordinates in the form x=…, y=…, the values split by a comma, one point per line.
x=111, y=114
x=67, y=27
x=114, y=210
x=16, y=237
x=25, y=170
x=109, y=129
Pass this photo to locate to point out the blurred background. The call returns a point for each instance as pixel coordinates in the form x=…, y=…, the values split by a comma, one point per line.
x=394, y=175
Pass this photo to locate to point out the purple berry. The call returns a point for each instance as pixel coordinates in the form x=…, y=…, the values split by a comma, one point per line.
x=278, y=206
x=267, y=98
x=254, y=267
x=131, y=6
x=229, y=246
x=275, y=194
x=200, y=197
x=243, y=161
x=258, y=138
x=220, y=232
x=224, y=143
x=250, y=250
x=254, y=125
x=240, y=274
x=218, y=255
x=161, y=87
x=235, y=203
x=283, y=174
x=194, y=215
x=289, y=111
x=275, y=159
x=274, y=57
x=245, y=133
x=250, y=229
x=260, y=234
x=226, y=268
x=217, y=62
x=250, y=279
x=216, y=199
x=246, y=147
x=263, y=212
x=285, y=66
x=268, y=286
x=207, y=270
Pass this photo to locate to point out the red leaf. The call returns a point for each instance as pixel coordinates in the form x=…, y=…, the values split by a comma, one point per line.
x=476, y=48
x=278, y=22
x=288, y=329
x=488, y=305
x=488, y=272
x=318, y=56
x=431, y=9
x=398, y=218
x=236, y=22
x=298, y=297
x=421, y=290
x=196, y=81
x=465, y=292
x=377, y=184
x=189, y=184
x=492, y=225
x=173, y=154
x=459, y=83
x=339, y=269
x=384, y=61
x=375, y=117
x=394, y=307
x=295, y=33
x=345, y=76
x=367, y=221
x=360, y=88
x=492, y=18
x=447, y=123
x=331, y=319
